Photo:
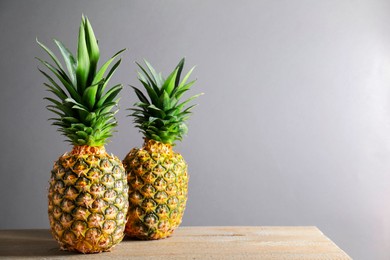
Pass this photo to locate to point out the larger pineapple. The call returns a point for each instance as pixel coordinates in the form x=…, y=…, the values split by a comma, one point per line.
x=88, y=193
x=157, y=176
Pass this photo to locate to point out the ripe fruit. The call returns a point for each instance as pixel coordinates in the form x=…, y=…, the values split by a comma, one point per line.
x=88, y=193
x=157, y=175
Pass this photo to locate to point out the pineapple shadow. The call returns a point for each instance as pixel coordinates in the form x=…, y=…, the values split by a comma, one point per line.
x=136, y=239
x=40, y=243
x=28, y=243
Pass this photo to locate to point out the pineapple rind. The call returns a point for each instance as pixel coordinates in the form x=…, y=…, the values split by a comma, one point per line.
x=88, y=200
x=158, y=187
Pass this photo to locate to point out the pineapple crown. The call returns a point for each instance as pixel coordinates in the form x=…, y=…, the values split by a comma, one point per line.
x=161, y=116
x=85, y=109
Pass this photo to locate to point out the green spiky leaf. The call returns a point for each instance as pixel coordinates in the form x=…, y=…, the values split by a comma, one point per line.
x=83, y=60
x=93, y=49
x=71, y=63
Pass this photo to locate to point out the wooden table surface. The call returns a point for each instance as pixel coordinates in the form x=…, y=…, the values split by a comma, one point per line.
x=298, y=243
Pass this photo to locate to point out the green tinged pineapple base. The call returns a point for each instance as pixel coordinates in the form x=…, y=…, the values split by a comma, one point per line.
x=88, y=200
x=158, y=187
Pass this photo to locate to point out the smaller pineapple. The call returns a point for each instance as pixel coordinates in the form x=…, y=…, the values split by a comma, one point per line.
x=157, y=176
x=88, y=193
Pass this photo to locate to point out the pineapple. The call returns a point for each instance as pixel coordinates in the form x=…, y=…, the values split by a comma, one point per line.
x=88, y=191
x=157, y=175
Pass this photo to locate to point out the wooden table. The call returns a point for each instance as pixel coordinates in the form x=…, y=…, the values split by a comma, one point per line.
x=298, y=243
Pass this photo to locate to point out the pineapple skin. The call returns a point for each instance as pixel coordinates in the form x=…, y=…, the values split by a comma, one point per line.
x=158, y=188
x=88, y=200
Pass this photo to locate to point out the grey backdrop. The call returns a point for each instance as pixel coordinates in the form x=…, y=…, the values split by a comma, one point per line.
x=294, y=128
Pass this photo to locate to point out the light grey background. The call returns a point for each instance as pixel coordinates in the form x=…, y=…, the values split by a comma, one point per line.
x=294, y=128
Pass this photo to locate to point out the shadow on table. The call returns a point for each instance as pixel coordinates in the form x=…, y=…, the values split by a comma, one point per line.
x=40, y=244
x=30, y=243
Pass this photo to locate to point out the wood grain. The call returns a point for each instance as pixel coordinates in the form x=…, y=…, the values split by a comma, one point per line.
x=284, y=243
